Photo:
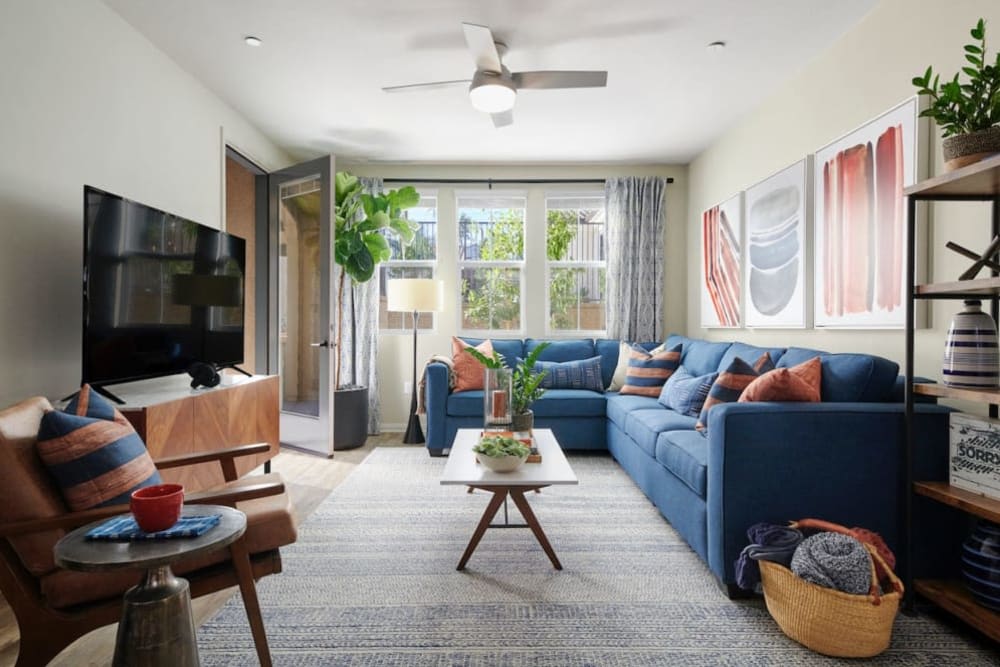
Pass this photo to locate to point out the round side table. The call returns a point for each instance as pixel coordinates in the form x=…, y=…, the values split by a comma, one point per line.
x=156, y=627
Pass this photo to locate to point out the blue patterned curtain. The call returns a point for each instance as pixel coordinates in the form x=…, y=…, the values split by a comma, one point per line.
x=366, y=302
x=635, y=213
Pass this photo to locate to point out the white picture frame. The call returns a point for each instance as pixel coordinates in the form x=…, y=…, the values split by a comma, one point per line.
x=776, y=263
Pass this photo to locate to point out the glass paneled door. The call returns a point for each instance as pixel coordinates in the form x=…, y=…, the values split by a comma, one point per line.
x=301, y=301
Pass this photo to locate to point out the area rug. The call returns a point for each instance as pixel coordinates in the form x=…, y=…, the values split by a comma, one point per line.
x=372, y=581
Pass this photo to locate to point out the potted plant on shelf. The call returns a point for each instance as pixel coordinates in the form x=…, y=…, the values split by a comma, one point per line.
x=525, y=384
x=360, y=245
x=968, y=112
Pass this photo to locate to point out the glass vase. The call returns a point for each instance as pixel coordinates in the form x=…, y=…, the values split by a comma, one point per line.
x=497, y=386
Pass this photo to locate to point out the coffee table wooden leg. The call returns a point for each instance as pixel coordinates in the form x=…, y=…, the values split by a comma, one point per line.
x=491, y=511
x=536, y=528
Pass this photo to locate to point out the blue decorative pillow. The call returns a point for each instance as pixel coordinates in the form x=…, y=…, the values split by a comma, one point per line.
x=685, y=393
x=579, y=374
x=93, y=453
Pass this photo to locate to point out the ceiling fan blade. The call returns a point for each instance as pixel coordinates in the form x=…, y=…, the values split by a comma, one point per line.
x=560, y=79
x=426, y=86
x=503, y=119
x=481, y=45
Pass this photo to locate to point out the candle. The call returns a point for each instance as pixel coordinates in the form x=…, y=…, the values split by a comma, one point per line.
x=499, y=403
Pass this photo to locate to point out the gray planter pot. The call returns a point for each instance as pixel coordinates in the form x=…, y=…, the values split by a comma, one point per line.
x=523, y=422
x=350, y=418
x=980, y=143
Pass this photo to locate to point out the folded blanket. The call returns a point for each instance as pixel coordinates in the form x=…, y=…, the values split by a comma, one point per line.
x=768, y=541
x=835, y=561
x=125, y=529
x=422, y=384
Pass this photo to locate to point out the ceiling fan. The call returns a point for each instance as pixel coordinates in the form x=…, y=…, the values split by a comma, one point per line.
x=493, y=88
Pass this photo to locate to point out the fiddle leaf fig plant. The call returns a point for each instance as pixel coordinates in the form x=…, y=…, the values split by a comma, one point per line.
x=360, y=243
x=964, y=107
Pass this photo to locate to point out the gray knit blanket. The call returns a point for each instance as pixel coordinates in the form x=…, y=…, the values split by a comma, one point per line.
x=835, y=561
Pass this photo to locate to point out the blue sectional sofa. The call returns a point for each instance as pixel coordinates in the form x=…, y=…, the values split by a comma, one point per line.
x=840, y=460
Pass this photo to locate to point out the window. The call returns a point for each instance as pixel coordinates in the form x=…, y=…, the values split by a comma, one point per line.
x=576, y=263
x=416, y=260
x=490, y=260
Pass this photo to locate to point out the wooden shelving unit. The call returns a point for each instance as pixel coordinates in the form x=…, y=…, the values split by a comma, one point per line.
x=976, y=182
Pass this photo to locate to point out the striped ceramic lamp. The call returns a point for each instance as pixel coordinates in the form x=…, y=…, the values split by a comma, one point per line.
x=970, y=349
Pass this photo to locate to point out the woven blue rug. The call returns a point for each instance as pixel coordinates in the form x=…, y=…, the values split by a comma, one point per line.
x=372, y=581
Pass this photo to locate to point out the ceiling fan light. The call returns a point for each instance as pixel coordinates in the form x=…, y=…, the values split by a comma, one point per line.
x=491, y=93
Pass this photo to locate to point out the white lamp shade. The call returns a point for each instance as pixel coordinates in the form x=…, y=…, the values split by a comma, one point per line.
x=414, y=294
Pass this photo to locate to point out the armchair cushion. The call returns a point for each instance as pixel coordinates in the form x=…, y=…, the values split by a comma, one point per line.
x=30, y=493
x=94, y=454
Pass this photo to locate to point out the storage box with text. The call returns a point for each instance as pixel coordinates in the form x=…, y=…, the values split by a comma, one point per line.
x=974, y=456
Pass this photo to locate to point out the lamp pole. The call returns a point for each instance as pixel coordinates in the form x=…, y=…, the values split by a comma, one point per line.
x=414, y=434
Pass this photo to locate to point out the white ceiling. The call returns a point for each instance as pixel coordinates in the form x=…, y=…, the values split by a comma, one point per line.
x=314, y=86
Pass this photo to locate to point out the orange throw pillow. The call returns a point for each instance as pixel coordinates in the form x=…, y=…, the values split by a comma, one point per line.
x=798, y=383
x=467, y=369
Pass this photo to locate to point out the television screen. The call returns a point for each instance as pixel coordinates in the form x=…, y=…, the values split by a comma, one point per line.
x=160, y=292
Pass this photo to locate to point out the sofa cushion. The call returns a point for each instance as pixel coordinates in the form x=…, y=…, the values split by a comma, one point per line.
x=466, y=369
x=508, y=348
x=569, y=403
x=685, y=454
x=702, y=356
x=465, y=404
x=94, y=454
x=620, y=405
x=579, y=374
x=729, y=386
x=645, y=426
x=647, y=372
x=798, y=383
x=561, y=350
x=750, y=353
x=684, y=393
x=849, y=377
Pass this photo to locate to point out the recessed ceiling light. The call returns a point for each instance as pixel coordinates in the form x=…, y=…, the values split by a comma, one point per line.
x=717, y=46
x=253, y=41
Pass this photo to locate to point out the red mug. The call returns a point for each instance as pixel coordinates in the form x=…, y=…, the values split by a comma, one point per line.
x=157, y=507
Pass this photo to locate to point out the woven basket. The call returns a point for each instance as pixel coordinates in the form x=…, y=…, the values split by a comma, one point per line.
x=829, y=621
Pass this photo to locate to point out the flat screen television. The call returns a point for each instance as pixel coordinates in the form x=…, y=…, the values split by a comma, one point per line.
x=160, y=292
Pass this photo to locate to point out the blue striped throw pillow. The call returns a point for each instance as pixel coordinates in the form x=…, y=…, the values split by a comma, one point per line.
x=93, y=453
x=730, y=384
x=684, y=393
x=647, y=372
x=577, y=374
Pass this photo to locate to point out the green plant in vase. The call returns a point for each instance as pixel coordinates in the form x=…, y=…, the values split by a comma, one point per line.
x=525, y=384
x=966, y=109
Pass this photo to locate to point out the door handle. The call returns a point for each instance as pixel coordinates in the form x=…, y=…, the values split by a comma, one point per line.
x=325, y=343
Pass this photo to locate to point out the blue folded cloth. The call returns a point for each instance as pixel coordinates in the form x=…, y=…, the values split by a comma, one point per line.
x=770, y=542
x=125, y=529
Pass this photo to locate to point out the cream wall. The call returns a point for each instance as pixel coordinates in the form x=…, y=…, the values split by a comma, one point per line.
x=865, y=73
x=396, y=350
x=85, y=99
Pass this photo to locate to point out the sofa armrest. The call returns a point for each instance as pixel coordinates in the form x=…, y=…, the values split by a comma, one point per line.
x=837, y=461
x=436, y=391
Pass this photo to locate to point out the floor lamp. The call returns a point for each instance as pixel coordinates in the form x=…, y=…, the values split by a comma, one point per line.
x=414, y=295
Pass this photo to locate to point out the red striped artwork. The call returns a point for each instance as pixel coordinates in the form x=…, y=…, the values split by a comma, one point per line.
x=860, y=223
x=721, y=265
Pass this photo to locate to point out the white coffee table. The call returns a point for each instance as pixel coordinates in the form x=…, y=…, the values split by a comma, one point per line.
x=462, y=469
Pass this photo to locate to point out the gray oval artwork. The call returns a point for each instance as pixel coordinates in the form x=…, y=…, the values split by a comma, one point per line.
x=773, y=228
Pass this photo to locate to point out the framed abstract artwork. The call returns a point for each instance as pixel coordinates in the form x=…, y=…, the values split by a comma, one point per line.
x=721, y=264
x=775, y=265
x=860, y=221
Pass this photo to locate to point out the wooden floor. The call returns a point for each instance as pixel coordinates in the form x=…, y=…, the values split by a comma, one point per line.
x=308, y=478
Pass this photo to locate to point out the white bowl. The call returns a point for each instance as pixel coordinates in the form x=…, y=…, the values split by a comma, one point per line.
x=502, y=463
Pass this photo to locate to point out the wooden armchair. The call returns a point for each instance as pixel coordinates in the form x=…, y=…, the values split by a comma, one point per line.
x=54, y=607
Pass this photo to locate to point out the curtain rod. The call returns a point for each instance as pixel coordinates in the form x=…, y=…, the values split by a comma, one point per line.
x=490, y=181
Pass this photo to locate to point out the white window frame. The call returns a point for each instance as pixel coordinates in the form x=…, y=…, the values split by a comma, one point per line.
x=574, y=264
x=498, y=193
x=432, y=264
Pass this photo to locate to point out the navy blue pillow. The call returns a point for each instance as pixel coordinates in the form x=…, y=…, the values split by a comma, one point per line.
x=684, y=393
x=578, y=374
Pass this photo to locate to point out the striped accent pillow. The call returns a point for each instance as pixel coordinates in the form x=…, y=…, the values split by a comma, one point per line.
x=684, y=393
x=730, y=384
x=93, y=453
x=648, y=372
x=578, y=374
